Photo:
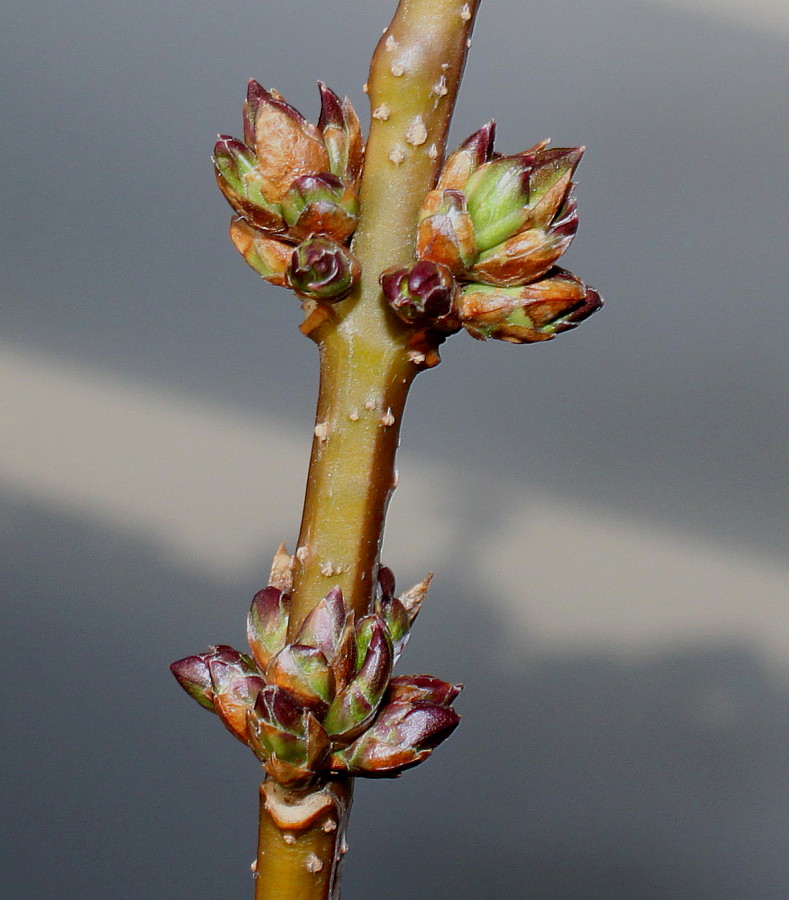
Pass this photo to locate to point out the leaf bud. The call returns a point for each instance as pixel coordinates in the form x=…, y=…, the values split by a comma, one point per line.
x=532, y=312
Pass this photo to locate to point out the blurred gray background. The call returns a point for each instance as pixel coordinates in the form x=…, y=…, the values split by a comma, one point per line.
x=606, y=513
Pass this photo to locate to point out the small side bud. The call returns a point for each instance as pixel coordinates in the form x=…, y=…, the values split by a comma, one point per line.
x=322, y=269
x=422, y=294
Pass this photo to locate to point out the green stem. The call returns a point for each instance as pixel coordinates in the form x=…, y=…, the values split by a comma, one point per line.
x=368, y=361
x=367, y=358
x=301, y=843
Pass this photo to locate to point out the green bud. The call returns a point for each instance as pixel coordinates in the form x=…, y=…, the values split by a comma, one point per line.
x=320, y=204
x=324, y=625
x=497, y=195
x=305, y=673
x=403, y=735
x=533, y=312
x=445, y=234
x=239, y=179
x=267, y=624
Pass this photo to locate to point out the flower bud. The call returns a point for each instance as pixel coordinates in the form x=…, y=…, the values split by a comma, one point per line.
x=421, y=688
x=320, y=204
x=193, y=676
x=342, y=134
x=267, y=256
x=497, y=195
x=305, y=674
x=239, y=179
x=474, y=152
x=324, y=625
x=354, y=708
x=286, y=145
x=267, y=624
x=445, y=233
x=236, y=684
x=533, y=312
x=402, y=735
x=422, y=294
x=322, y=269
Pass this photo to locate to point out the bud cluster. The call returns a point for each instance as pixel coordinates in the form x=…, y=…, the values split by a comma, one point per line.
x=325, y=703
x=294, y=183
x=497, y=226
